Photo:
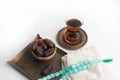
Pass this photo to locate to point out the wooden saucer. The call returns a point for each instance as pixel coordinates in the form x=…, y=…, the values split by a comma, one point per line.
x=63, y=43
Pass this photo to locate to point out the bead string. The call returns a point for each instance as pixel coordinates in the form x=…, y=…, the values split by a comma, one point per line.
x=69, y=70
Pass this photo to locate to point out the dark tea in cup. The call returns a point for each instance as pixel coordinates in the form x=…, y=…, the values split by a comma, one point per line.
x=72, y=35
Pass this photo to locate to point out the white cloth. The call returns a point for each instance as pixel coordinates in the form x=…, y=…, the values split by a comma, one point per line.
x=98, y=71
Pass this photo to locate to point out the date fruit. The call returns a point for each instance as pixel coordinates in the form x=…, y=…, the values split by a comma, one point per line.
x=49, y=43
x=42, y=44
x=48, y=52
x=39, y=51
x=46, y=70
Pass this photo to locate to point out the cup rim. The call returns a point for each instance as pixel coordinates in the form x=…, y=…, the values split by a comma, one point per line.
x=79, y=19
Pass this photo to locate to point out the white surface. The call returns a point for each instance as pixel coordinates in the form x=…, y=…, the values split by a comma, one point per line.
x=21, y=20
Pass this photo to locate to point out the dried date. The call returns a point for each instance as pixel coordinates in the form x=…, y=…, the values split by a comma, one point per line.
x=48, y=52
x=49, y=43
x=42, y=44
x=47, y=70
x=39, y=51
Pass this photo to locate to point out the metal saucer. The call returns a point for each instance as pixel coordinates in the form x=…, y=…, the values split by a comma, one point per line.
x=63, y=43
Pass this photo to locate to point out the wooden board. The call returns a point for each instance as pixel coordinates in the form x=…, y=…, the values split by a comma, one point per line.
x=30, y=67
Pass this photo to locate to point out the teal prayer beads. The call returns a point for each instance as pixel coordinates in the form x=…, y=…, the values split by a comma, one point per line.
x=68, y=71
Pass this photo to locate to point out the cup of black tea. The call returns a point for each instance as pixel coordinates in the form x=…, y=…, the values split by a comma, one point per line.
x=72, y=35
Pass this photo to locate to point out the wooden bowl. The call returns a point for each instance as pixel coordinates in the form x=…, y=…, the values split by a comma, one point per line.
x=45, y=58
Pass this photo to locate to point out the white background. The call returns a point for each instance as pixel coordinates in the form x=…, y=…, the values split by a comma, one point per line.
x=21, y=20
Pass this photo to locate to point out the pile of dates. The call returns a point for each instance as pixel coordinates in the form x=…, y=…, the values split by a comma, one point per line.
x=43, y=47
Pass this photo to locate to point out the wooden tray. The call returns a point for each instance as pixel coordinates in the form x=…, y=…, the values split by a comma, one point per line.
x=30, y=67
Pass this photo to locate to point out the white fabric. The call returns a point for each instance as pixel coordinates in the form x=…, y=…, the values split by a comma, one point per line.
x=99, y=71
